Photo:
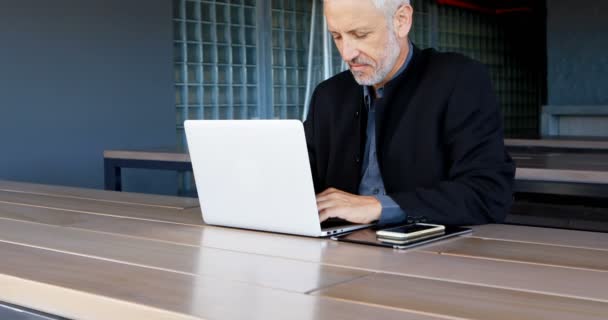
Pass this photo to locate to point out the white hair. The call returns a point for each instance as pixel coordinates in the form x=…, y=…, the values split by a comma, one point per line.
x=389, y=7
x=390, y=53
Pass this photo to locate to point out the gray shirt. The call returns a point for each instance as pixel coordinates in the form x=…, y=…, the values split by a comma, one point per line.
x=371, y=178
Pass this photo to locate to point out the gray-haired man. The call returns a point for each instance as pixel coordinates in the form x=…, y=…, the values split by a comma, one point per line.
x=406, y=134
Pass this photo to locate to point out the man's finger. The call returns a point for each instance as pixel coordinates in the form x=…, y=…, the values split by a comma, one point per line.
x=327, y=191
x=333, y=212
x=337, y=195
x=326, y=204
x=327, y=197
x=324, y=215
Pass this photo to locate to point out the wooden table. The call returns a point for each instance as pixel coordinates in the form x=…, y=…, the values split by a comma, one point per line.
x=90, y=254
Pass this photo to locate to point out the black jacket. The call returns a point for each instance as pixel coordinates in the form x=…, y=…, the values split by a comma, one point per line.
x=440, y=142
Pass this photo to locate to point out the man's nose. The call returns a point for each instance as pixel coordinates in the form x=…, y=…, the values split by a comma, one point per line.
x=349, y=51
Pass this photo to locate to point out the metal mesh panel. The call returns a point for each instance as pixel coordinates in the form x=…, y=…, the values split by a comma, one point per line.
x=290, y=36
x=490, y=39
x=215, y=61
x=216, y=57
x=215, y=48
x=486, y=38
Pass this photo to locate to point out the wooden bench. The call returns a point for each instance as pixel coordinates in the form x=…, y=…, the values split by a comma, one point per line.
x=561, y=182
x=158, y=159
x=559, y=144
x=575, y=174
x=574, y=121
x=538, y=170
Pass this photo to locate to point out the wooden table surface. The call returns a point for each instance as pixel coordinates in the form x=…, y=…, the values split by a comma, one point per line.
x=89, y=254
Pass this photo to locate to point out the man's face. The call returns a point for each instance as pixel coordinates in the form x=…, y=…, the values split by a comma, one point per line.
x=362, y=35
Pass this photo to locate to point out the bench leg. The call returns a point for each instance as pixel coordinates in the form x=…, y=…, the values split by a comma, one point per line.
x=112, y=176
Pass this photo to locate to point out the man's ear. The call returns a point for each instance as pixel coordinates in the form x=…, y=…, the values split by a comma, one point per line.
x=403, y=20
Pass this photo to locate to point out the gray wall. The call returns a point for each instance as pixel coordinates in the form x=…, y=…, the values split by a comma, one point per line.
x=577, y=48
x=81, y=76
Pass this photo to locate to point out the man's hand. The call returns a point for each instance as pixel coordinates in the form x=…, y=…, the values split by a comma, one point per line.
x=333, y=203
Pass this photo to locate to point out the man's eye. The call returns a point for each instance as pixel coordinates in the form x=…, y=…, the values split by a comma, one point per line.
x=361, y=35
x=336, y=36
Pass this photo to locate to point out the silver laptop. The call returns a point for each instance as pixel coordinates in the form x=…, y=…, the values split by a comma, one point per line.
x=255, y=174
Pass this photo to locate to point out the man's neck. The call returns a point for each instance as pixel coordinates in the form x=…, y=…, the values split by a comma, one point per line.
x=400, y=61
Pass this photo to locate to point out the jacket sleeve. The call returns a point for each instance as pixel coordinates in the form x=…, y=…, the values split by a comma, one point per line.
x=479, y=183
x=309, y=131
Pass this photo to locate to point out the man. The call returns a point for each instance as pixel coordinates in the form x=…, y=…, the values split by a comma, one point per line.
x=406, y=134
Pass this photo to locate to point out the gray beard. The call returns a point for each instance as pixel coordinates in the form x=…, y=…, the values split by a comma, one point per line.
x=387, y=63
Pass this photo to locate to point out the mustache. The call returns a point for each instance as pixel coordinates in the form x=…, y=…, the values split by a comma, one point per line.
x=362, y=60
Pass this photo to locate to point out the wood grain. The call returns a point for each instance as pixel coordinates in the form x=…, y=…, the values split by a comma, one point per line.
x=463, y=300
x=272, y=272
x=127, y=210
x=552, y=255
x=582, y=239
x=260, y=243
x=203, y=297
x=72, y=304
x=100, y=195
x=577, y=161
x=583, y=284
x=145, y=258
x=506, y=274
x=152, y=155
x=562, y=175
x=558, y=143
